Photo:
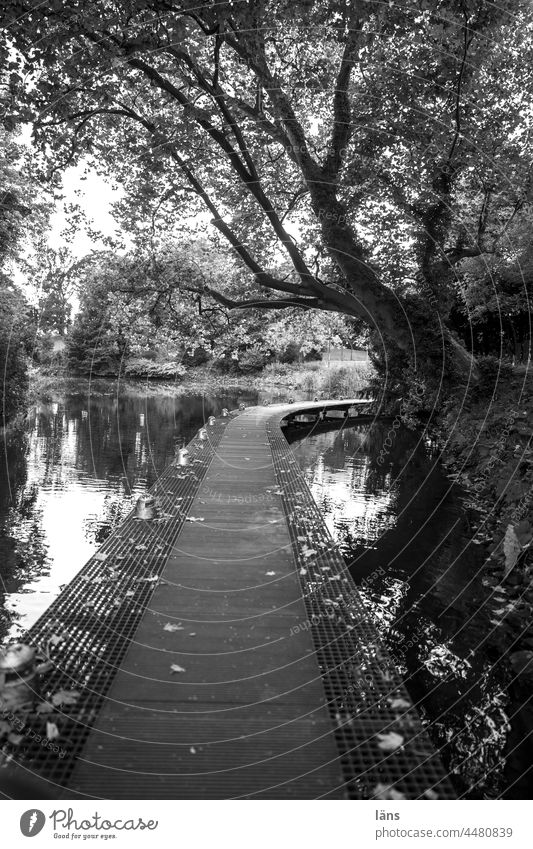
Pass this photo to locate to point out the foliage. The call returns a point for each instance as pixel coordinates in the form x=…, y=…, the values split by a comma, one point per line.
x=326, y=382
x=15, y=342
x=21, y=211
x=352, y=158
x=141, y=367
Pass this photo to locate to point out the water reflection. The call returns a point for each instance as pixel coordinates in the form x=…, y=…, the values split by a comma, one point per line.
x=74, y=474
x=406, y=539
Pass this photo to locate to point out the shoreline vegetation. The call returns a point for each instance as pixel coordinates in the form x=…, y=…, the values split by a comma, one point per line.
x=309, y=377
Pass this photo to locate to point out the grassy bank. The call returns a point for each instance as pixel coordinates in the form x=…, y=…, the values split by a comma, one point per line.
x=317, y=378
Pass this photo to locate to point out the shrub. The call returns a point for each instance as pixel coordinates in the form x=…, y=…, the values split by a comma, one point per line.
x=290, y=354
x=252, y=361
x=143, y=367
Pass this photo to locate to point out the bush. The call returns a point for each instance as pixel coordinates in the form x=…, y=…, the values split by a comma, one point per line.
x=51, y=361
x=344, y=381
x=143, y=367
x=291, y=354
x=198, y=357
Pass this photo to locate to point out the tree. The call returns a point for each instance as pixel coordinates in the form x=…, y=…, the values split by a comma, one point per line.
x=495, y=291
x=53, y=275
x=359, y=127
x=20, y=213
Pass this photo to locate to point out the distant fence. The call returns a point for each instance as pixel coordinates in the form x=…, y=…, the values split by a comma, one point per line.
x=345, y=355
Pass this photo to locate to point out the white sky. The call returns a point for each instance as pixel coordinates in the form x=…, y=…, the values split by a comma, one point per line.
x=95, y=197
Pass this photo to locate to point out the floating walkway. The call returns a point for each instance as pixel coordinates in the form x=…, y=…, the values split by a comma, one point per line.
x=222, y=649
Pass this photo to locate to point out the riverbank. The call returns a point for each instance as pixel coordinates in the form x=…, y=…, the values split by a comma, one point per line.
x=487, y=447
x=308, y=378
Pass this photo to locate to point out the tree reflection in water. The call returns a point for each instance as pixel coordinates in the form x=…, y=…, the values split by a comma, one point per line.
x=74, y=474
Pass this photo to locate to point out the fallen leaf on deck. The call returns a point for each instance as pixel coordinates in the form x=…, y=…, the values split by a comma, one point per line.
x=55, y=639
x=65, y=697
x=385, y=791
x=52, y=731
x=399, y=704
x=389, y=742
x=100, y=556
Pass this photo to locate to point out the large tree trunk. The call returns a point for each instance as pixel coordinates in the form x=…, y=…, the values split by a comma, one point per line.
x=409, y=325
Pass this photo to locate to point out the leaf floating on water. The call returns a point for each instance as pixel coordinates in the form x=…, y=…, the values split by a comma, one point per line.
x=400, y=704
x=512, y=549
x=389, y=742
x=270, y=574
x=386, y=791
x=195, y=519
x=192, y=750
x=522, y=662
x=52, y=731
x=171, y=626
x=175, y=667
x=65, y=697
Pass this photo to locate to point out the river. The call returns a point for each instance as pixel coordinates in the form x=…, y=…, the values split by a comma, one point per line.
x=85, y=456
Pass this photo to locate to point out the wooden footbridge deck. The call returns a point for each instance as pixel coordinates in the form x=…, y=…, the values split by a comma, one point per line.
x=221, y=650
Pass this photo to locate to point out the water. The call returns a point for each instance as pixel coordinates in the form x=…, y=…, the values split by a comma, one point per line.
x=77, y=470
x=405, y=536
x=73, y=476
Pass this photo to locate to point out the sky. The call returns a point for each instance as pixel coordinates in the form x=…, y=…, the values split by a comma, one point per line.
x=95, y=195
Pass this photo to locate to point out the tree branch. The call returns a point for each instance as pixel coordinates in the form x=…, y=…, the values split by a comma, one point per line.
x=264, y=303
x=342, y=125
